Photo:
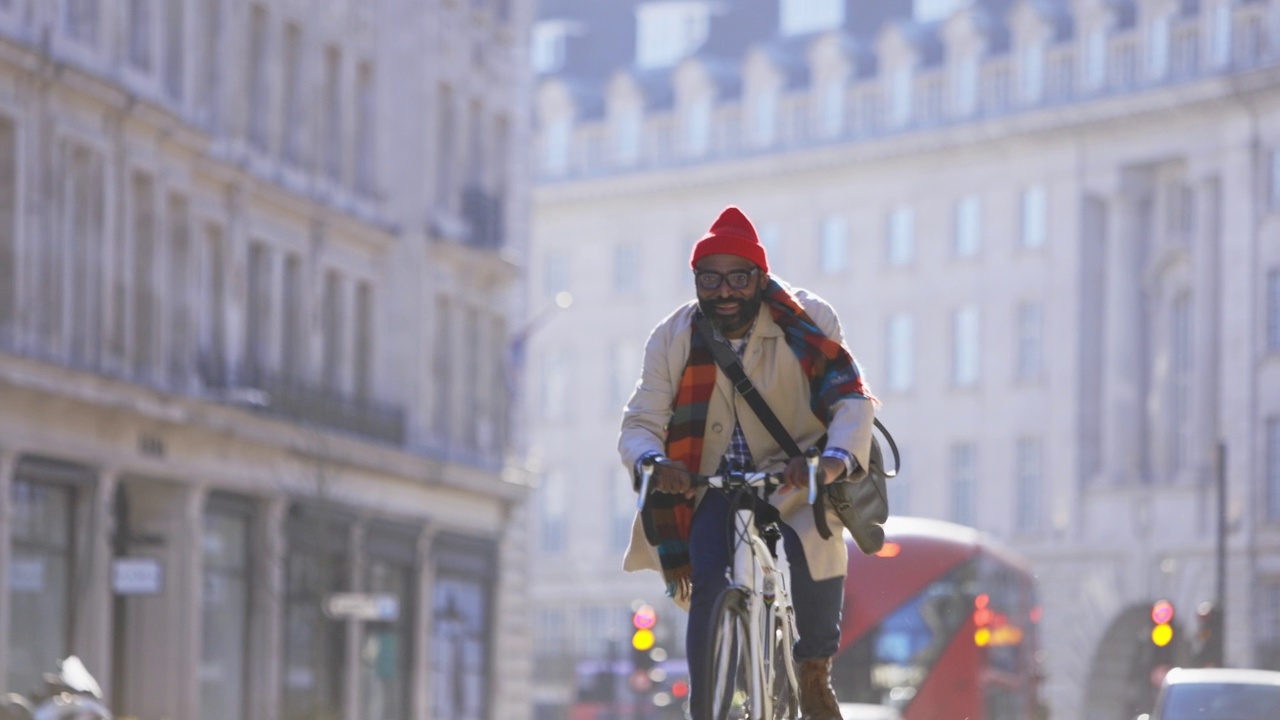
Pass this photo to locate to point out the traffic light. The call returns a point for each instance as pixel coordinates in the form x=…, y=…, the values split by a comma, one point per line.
x=1162, y=624
x=643, y=621
x=1208, y=644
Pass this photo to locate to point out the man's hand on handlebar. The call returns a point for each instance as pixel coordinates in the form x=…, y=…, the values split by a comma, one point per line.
x=796, y=476
x=671, y=476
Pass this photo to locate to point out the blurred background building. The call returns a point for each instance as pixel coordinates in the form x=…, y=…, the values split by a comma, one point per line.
x=1052, y=229
x=257, y=262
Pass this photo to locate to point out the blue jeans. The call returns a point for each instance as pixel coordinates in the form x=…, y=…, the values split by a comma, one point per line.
x=818, y=603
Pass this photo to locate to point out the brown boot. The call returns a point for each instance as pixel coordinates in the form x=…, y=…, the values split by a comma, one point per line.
x=817, y=699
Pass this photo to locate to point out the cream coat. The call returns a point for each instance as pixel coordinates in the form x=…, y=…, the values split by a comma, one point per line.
x=775, y=371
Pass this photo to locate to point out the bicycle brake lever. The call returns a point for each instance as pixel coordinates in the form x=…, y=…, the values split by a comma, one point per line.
x=811, y=460
x=646, y=474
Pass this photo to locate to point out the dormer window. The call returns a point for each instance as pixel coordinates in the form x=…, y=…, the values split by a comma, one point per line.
x=548, y=42
x=668, y=31
x=931, y=10
x=800, y=17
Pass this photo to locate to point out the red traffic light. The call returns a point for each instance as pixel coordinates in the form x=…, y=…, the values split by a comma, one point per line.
x=1162, y=612
x=644, y=618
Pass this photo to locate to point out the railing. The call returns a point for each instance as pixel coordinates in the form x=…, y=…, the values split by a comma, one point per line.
x=483, y=213
x=274, y=394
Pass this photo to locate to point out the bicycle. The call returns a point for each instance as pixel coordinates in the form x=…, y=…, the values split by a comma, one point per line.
x=750, y=672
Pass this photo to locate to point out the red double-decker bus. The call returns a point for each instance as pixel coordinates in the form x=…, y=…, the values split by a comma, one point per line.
x=941, y=623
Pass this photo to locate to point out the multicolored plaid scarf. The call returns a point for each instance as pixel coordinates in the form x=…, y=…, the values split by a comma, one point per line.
x=833, y=375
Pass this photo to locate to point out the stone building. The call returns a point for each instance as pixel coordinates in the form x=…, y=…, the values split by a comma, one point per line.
x=256, y=272
x=1052, y=230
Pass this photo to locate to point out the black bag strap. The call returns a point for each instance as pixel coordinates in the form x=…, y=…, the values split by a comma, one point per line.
x=728, y=361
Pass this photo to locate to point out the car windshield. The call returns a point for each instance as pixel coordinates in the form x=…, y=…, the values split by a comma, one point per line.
x=1220, y=701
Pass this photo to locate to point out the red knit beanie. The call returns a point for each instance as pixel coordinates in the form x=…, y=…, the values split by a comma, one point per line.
x=731, y=234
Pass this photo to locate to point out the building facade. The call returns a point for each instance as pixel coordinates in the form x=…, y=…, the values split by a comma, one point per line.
x=257, y=262
x=1052, y=230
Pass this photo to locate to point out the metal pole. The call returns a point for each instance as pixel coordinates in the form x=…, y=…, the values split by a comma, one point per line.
x=1221, y=591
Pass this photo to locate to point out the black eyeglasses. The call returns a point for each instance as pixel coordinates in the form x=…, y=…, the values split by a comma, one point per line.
x=737, y=279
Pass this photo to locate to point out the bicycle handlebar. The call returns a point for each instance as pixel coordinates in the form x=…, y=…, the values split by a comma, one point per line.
x=718, y=481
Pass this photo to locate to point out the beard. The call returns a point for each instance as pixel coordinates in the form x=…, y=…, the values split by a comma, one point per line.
x=748, y=308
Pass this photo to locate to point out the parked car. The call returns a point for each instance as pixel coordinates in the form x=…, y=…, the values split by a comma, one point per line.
x=1218, y=694
x=861, y=711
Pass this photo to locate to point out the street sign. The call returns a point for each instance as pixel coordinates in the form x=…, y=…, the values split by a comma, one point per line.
x=136, y=576
x=362, y=606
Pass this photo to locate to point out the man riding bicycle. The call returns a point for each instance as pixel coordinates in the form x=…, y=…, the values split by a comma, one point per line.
x=686, y=416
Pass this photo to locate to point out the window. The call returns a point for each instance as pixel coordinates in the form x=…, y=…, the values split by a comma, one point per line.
x=698, y=127
x=1273, y=468
x=799, y=17
x=668, y=32
x=899, y=366
x=965, y=82
x=224, y=609
x=84, y=222
x=833, y=107
x=366, y=132
x=258, y=308
x=332, y=116
x=256, y=83
x=930, y=10
x=1180, y=376
x=556, y=273
x=963, y=481
x=968, y=226
x=314, y=646
x=550, y=633
x=294, y=100
x=1185, y=52
x=1273, y=310
x=1033, y=73
x=80, y=20
x=965, y=346
x=442, y=364
x=213, y=328
x=8, y=225
x=140, y=34
x=1096, y=57
x=388, y=647
x=1124, y=66
x=40, y=579
x=997, y=89
x=626, y=136
x=445, y=139
x=174, y=44
x=901, y=248
x=1030, y=336
x=332, y=327
x=145, y=301
x=1222, y=21
x=765, y=117
x=553, y=516
x=1275, y=179
x=626, y=268
x=1158, y=47
x=1032, y=221
x=1029, y=491
x=556, y=380
x=364, y=350
x=556, y=139
x=210, y=68
x=292, y=339
x=461, y=659
x=835, y=244
x=182, y=339
x=901, y=91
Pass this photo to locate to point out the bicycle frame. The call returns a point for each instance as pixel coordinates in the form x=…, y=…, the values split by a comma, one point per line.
x=764, y=582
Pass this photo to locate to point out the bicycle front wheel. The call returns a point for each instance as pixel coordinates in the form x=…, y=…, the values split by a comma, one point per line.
x=780, y=667
x=726, y=675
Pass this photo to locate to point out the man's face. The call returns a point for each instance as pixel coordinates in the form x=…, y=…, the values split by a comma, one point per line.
x=730, y=309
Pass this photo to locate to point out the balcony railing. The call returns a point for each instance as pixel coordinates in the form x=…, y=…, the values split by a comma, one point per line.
x=288, y=398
